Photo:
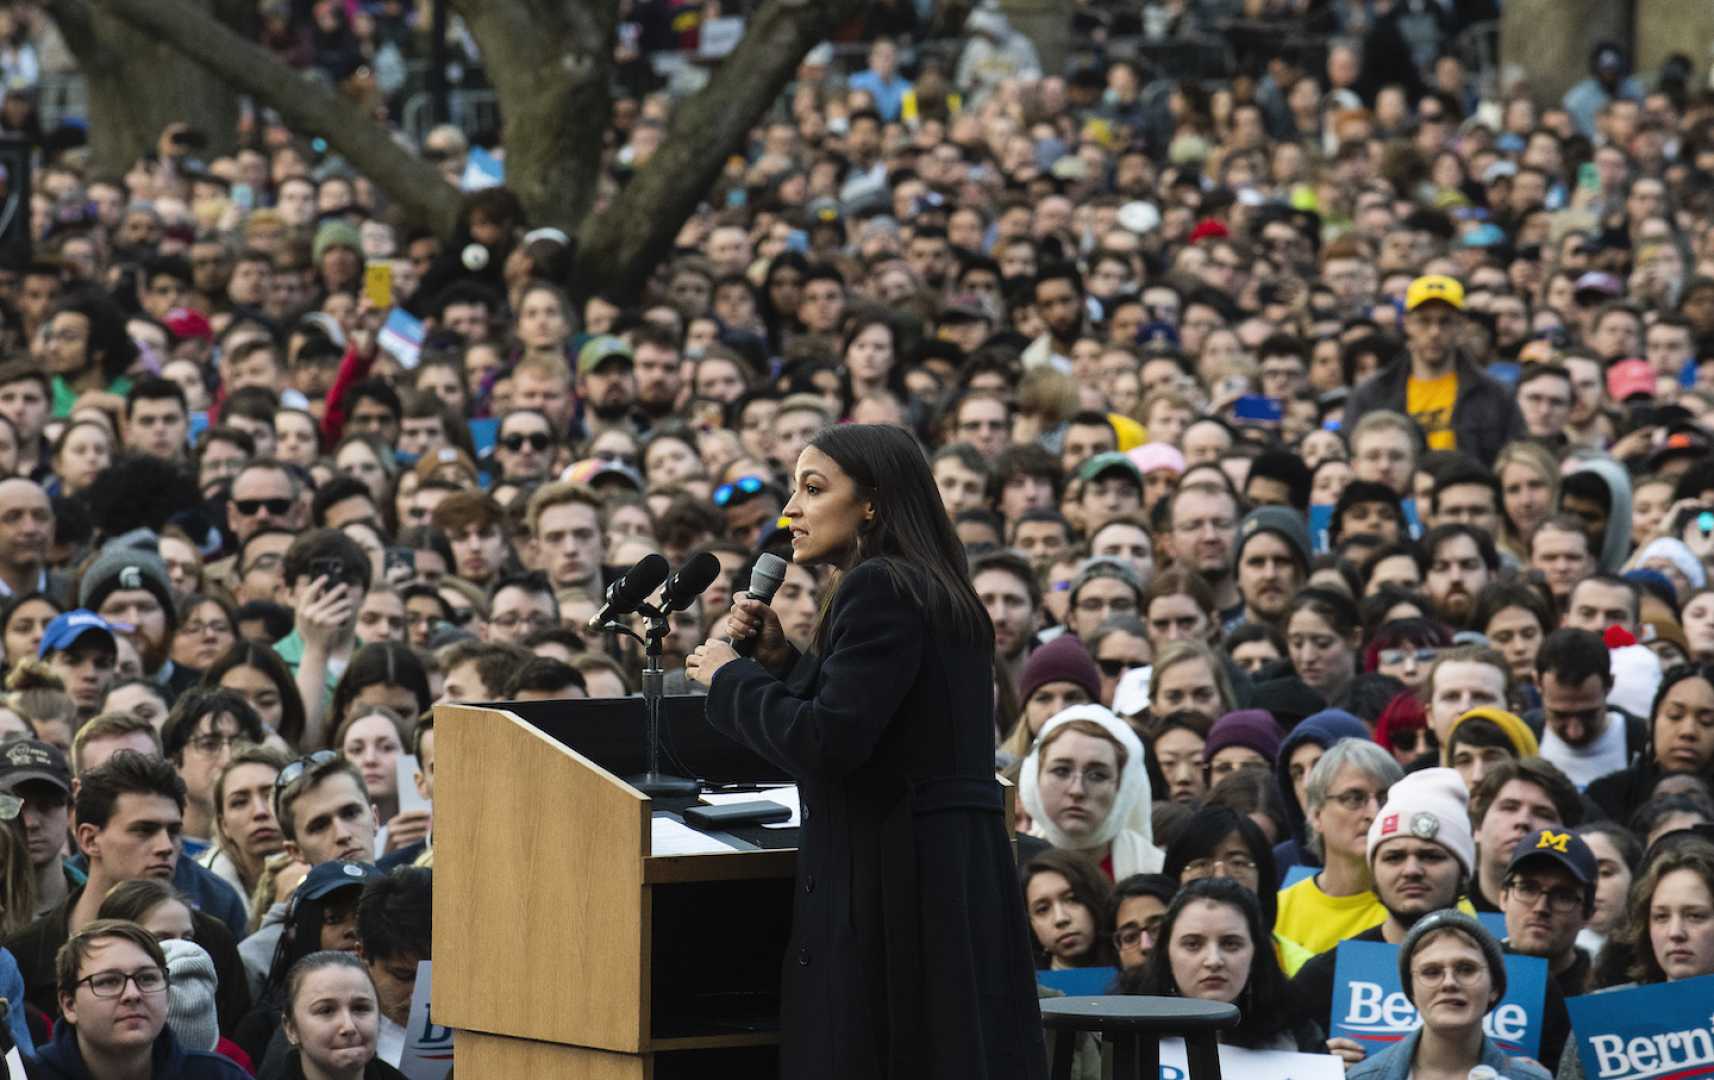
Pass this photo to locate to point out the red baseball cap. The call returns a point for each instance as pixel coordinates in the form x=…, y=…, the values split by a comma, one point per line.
x=1208, y=229
x=1630, y=378
x=185, y=323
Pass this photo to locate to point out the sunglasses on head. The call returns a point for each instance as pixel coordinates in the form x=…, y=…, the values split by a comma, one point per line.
x=290, y=774
x=252, y=507
x=536, y=441
x=737, y=490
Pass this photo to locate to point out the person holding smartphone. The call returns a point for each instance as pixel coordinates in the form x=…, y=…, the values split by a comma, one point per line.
x=327, y=576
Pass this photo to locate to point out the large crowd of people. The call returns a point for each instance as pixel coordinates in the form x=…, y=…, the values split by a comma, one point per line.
x=1329, y=443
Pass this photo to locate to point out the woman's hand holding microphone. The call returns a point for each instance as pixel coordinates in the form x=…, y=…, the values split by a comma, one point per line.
x=748, y=620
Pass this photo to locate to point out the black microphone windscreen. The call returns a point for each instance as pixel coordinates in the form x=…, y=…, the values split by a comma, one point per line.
x=766, y=577
x=691, y=580
x=639, y=581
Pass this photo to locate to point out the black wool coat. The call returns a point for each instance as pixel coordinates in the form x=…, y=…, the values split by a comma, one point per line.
x=909, y=954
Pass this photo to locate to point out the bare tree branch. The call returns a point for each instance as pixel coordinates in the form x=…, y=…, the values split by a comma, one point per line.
x=638, y=229
x=414, y=184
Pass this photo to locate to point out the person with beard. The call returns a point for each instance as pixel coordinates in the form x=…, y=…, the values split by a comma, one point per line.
x=1272, y=561
x=656, y=362
x=130, y=585
x=1058, y=298
x=606, y=384
x=1454, y=402
x=1421, y=853
x=1462, y=560
x=1012, y=596
x=1204, y=518
x=1367, y=508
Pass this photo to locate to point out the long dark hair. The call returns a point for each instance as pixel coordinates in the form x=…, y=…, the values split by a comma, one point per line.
x=1091, y=888
x=1264, y=1001
x=1672, y=677
x=910, y=533
x=389, y=663
x=268, y=662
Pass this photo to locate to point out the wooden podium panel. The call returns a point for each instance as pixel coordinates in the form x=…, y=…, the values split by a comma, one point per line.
x=565, y=948
x=539, y=905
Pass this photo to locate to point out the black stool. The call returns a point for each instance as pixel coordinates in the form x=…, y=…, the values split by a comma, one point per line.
x=1135, y=1026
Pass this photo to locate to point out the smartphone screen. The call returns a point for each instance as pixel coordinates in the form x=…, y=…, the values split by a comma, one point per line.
x=378, y=285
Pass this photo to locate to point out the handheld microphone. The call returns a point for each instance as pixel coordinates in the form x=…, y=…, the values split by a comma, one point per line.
x=632, y=588
x=690, y=581
x=765, y=581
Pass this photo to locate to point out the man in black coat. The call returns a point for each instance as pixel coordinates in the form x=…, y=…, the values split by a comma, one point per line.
x=1457, y=405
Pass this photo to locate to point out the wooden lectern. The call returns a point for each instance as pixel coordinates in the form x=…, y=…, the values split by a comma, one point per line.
x=562, y=947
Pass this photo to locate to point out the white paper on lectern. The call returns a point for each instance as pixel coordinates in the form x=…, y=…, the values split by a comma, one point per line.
x=669, y=837
x=785, y=796
x=1237, y=1063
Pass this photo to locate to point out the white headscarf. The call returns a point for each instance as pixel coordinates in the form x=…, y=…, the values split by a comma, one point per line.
x=1132, y=809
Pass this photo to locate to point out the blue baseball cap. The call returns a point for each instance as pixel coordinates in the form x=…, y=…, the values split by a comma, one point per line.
x=65, y=630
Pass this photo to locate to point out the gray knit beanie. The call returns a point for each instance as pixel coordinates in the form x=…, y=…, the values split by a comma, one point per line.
x=1452, y=919
x=191, y=983
x=121, y=566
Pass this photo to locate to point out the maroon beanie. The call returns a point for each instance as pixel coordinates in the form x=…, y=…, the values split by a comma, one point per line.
x=1064, y=659
x=1250, y=728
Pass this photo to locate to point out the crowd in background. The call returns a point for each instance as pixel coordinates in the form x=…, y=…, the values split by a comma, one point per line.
x=1328, y=443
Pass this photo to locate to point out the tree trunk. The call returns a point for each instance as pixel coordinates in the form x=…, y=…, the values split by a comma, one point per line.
x=137, y=86
x=235, y=63
x=618, y=247
x=550, y=63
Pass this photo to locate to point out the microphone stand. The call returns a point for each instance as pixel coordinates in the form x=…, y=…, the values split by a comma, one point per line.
x=654, y=783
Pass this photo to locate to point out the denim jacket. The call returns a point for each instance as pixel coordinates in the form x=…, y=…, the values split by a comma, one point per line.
x=1394, y=1063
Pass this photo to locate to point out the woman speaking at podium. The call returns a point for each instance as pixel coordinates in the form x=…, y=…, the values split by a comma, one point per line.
x=909, y=954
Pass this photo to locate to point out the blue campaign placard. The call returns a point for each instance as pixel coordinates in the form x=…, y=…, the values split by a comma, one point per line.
x=1080, y=982
x=483, y=431
x=1370, y=1006
x=1662, y=1031
x=1295, y=874
x=1320, y=523
x=1495, y=922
